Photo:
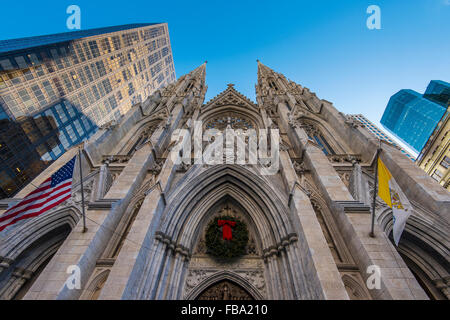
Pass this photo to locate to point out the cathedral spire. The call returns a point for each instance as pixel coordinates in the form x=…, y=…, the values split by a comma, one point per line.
x=273, y=88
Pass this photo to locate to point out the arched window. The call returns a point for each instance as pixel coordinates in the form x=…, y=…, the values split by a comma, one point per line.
x=125, y=232
x=231, y=121
x=225, y=290
x=326, y=232
x=315, y=135
x=142, y=137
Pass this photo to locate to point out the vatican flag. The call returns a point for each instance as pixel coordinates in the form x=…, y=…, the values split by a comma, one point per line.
x=393, y=196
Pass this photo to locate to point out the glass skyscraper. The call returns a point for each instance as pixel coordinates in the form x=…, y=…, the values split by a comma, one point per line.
x=438, y=91
x=56, y=90
x=377, y=132
x=412, y=118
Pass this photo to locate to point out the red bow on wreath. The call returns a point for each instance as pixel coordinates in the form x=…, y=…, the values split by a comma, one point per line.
x=226, y=228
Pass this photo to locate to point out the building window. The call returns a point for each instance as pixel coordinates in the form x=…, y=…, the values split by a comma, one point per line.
x=6, y=64
x=445, y=162
x=437, y=175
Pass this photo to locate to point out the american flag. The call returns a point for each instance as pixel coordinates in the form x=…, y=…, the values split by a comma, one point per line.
x=49, y=194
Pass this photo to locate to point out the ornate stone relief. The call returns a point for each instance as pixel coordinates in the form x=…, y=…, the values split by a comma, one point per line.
x=299, y=167
x=225, y=290
x=353, y=122
x=157, y=166
x=183, y=167
x=76, y=199
x=196, y=276
x=342, y=158
x=229, y=122
x=118, y=158
x=109, y=125
x=250, y=266
x=345, y=177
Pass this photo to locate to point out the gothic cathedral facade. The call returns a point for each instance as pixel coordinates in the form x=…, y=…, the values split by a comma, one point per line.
x=305, y=228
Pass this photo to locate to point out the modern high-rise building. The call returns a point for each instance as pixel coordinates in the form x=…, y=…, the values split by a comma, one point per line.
x=377, y=132
x=412, y=118
x=57, y=89
x=435, y=156
x=438, y=91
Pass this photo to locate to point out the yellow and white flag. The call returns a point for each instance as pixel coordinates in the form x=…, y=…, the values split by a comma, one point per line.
x=392, y=195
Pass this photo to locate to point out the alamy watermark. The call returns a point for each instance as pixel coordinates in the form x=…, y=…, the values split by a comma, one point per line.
x=374, y=280
x=74, y=280
x=374, y=20
x=73, y=21
x=241, y=147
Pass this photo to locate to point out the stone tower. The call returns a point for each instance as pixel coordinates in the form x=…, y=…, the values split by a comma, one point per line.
x=149, y=214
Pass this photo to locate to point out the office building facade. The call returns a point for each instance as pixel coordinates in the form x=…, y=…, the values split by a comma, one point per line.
x=438, y=91
x=435, y=156
x=377, y=132
x=60, y=88
x=412, y=118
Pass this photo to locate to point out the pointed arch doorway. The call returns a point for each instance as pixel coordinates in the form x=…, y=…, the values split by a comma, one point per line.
x=225, y=290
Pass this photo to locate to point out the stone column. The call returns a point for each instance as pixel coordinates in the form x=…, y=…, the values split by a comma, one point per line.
x=84, y=248
x=323, y=263
x=17, y=280
x=4, y=263
x=131, y=262
x=354, y=220
x=358, y=185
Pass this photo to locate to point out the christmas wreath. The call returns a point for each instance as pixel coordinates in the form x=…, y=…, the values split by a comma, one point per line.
x=226, y=237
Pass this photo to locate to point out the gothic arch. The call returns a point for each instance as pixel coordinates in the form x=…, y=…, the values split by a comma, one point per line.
x=139, y=134
x=33, y=229
x=354, y=289
x=423, y=249
x=186, y=215
x=232, y=111
x=95, y=286
x=26, y=267
x=327, y=140
x=231, y=101
x=252, y=192
x=220, y=276
x=118, y=238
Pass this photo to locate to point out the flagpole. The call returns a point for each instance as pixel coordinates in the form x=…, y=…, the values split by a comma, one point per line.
x=82, y=191
x=375, y=191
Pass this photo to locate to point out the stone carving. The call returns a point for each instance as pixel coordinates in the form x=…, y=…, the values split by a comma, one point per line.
x=168, y=122
x=76, y=194
x=345, y=177
x=294, y=123
x=353, y=122
x=251, y=247
x=156, y=169
x=299, y=167
x=342, y=158
x=225, y=290
x=118, y=158
x=254, y=277
x=195, y=277
x=183, y=167
x=109, y=125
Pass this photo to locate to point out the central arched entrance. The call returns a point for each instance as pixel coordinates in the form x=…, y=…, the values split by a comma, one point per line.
x=225, y=290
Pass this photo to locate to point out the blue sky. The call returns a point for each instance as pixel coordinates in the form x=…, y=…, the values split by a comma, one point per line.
x=323, y=45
